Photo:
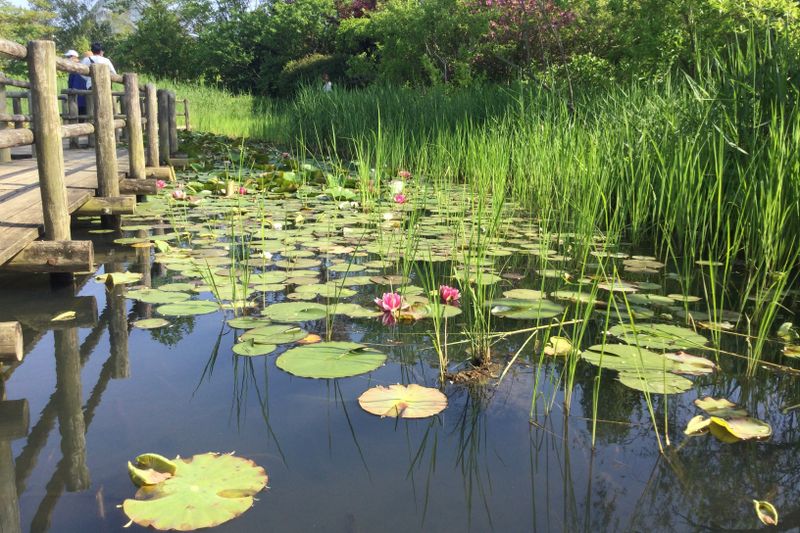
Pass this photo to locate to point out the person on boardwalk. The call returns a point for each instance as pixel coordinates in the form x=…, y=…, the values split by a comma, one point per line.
x=97, y=56
x=76, y=81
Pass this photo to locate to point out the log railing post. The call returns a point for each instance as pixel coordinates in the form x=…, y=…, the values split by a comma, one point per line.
x=186, y=123
x=72, y=106
x=30, y=112
x=151, y=114
x=47, y=125
x=134, y=127
x=16, y=104
x=173, y=125
x=105, y=144
x=163, y=126
x=90, y=118
x=5, y=153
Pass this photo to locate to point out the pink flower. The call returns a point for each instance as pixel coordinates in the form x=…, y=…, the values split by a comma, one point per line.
x=390, y=302
x=242, y=190
x=178, y=194
x=160, y=184
x=400, y=198
x=286, y=155
x=405, y=174
x=449, y=294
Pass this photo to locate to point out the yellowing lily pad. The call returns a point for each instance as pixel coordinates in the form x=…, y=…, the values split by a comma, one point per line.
x=729, y=430
x=766, y=512
x=558, y=346
x=403, y=401
x=204, y=491
x=330, y=360
x=151, y=323
x=274, y=334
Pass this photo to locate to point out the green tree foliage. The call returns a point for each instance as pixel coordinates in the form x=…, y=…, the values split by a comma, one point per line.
x=22, y=25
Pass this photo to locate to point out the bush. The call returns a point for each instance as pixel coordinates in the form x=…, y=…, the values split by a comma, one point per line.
x=308, y=70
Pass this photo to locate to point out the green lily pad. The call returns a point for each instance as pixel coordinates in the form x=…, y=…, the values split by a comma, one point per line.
x=326, y=290
x=403, y=401
x=294, y=311
x=118, y=278
x=526, y=309
x=275, y=334
x=191, y=307
x=354, y=311
x=247, y=322
x=330, y=360
x=250, y=348
x=346, y=267
x=176, y=287
x=151, y=323
x=658, y=336
x=155, y=296
x=655, y=382
x=204, y=491
x=524, y=294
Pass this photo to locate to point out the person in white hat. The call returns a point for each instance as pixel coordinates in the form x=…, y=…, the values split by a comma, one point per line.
x=76, y=81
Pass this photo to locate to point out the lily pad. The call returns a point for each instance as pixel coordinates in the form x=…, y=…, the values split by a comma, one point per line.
x=275, y=334
x=766, y=512
x=330, y=360
x=155, y=296
x=403, y=401
x=204, y=491
x=250, y=348
x=558, y=346
x=524, y=294
x=526, y=309
x=658, y=336
x=655, y=382
x=188, y=308
x=729, y=430
x=294, y=311
x=118, y=278
x=247, y=322
x=151, y=323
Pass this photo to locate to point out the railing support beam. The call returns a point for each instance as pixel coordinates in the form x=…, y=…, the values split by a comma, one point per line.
x=134, y=127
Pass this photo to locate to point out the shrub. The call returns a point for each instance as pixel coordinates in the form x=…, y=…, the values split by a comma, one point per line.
x=308, y=70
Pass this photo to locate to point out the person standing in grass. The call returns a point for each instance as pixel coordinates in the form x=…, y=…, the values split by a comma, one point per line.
x=327, y=85
x=76, y=81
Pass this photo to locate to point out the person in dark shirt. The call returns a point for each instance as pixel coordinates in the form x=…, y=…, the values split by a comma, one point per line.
x=76, y=81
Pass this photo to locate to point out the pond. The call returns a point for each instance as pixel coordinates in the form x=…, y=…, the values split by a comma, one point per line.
x=533, y=438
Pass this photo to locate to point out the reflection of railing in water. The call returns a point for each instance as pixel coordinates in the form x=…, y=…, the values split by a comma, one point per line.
x=71, y=474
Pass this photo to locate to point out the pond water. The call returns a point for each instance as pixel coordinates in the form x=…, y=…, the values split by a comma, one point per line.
x=101, y=391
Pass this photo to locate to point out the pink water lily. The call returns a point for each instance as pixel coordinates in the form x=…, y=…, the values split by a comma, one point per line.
x=390, y=302
x=160, y=184
x=178, y=194
x=405, y=174
x=242, y=190
x=400, y=198
x=449, y=294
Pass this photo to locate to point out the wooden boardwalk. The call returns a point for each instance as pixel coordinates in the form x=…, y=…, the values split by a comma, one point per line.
x=21, y=213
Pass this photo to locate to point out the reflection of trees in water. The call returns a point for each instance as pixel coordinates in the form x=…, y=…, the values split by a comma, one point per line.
x=180, y=327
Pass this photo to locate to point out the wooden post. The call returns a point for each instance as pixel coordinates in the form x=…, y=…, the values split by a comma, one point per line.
x=119, y=109
x=105, y=144
x=30, y=112
x=10, y=341
x=118, y=329
x=163, y=126
x=71, y=423
x=5, y=153
x=151, y=113
x=90, y=113
x=53, y=256
x=186, y=123
x=134, y=127
x=72, y=106
x=16, y=104
x=173, y=125
x=47, y=125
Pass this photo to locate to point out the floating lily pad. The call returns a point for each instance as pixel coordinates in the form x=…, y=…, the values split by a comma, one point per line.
x=247, y=322
x=326, y=290
x=766, y=512
x=151, y=323
x=729, y=430
x=403, y=401
x=190, y=307
x=204, y=491
x=524, y=294
x=275, y=334
x=176, y=287
x=558, y=346
x=294, y=311
x=250, y=348
x=330, y=360
x=722, y=407
x=118, y=278
x=655, y=382
x=354, y=311
x=155, y=296
x=658, y=336
x=526, y=309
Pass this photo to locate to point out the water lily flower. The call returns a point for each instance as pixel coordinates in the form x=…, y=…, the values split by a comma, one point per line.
x=242, y=190
x=405, y=174
x=449, y=294
x=390, y=302
x=400, y=198
x=178, y=194
x=286, y=155
x=277, y=226
x=265, y=255
x=387, y=216
x=160, y=184
x=396, y=186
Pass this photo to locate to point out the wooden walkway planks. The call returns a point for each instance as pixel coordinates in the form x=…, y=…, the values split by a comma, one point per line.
x=21, y=218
